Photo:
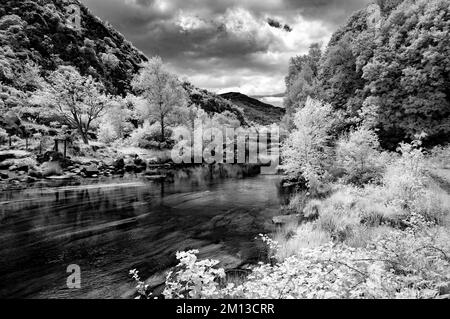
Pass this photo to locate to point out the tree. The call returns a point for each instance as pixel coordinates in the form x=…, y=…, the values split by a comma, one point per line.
x=76, y=99
x=301, y=80
x=116, y=122
x=165, y=97
x=307, y=151
x=407, y=78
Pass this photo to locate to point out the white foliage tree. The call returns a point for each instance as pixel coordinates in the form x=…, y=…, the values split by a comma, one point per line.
x=78, y=100
x=306, y=150
x=165, y=97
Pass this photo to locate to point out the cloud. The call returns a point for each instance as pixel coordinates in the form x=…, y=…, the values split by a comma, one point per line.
x=229, y=44
x=277, y=24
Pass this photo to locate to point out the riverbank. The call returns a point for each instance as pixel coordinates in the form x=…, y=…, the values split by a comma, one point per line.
x=388, y=238
x=21, y=169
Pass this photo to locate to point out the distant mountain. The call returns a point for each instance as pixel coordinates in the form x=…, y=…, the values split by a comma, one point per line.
x=38, y=31
x=270, y=95
x=213, y=103
x=255, y=110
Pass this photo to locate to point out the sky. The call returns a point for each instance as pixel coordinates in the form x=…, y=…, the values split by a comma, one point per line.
x=227, y=45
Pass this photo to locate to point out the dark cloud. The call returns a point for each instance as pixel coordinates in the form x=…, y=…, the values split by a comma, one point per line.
x=230, y=41
x=277, y=24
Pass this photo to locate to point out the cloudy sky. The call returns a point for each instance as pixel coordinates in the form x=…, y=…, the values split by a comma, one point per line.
x=227, y=45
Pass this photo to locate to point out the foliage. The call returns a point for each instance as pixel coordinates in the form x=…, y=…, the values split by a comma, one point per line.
x=166, y=99
x=38, y=30
x=399, y=264
x=212, y=103
x=115, y=123
x=192, y=278
x=149, y=136
x=358, y=154
x=307, y=150
x=389, y=62
x=141, y=287
x=301, y=81
x=254, y=110
x=76, y=99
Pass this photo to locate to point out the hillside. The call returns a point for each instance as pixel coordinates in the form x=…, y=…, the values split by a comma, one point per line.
x=255, y=110
x=386, y=67
x=37, y=31
x=213, y=103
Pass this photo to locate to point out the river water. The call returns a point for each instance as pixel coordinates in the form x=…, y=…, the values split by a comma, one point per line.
x=110, y=226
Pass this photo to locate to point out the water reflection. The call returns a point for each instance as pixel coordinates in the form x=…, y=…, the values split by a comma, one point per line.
x=115, y=225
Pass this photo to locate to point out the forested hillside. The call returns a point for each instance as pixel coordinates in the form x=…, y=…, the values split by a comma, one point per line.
x=388, y=65
x=254, y=109
x=37, y=32
x=35, y=39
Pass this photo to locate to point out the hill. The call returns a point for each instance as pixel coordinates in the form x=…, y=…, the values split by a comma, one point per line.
x=255, y=110
x=38, y=31
x=387, y=67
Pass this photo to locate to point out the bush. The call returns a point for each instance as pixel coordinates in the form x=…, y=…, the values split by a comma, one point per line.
x=107, y=133
x=357, y=153
x=399, y=264
x=192, y=278
x=149, y=136
x=51, y=169
x=440, y=156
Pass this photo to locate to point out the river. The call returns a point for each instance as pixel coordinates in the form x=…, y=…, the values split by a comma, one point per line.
x=110, y=226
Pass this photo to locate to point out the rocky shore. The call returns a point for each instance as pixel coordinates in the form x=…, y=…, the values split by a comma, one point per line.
x=21, y=169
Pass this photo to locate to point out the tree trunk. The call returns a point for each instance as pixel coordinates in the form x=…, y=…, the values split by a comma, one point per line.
x=85, y=138
x=83, y=135
x=162, y=129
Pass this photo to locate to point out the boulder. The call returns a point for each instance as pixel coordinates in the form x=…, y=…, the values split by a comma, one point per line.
x=444, y=289
x=50, y=156
x=53, y=156
x=13, y=154
x=118, y=164
x=31, y=179
x=90, y=171
x=130, y=168
x=35, y=174
x=140, y=163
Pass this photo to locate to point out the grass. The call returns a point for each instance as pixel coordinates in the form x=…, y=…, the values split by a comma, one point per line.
x=356, y=215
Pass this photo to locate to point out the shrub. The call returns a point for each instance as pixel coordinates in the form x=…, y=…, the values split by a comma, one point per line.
x=107, y=133
x=192, y=278
x=357, y=153
x=149, y=136
x=440, y=156
x=51, y=169
x=399, y=264
x=404, y=178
